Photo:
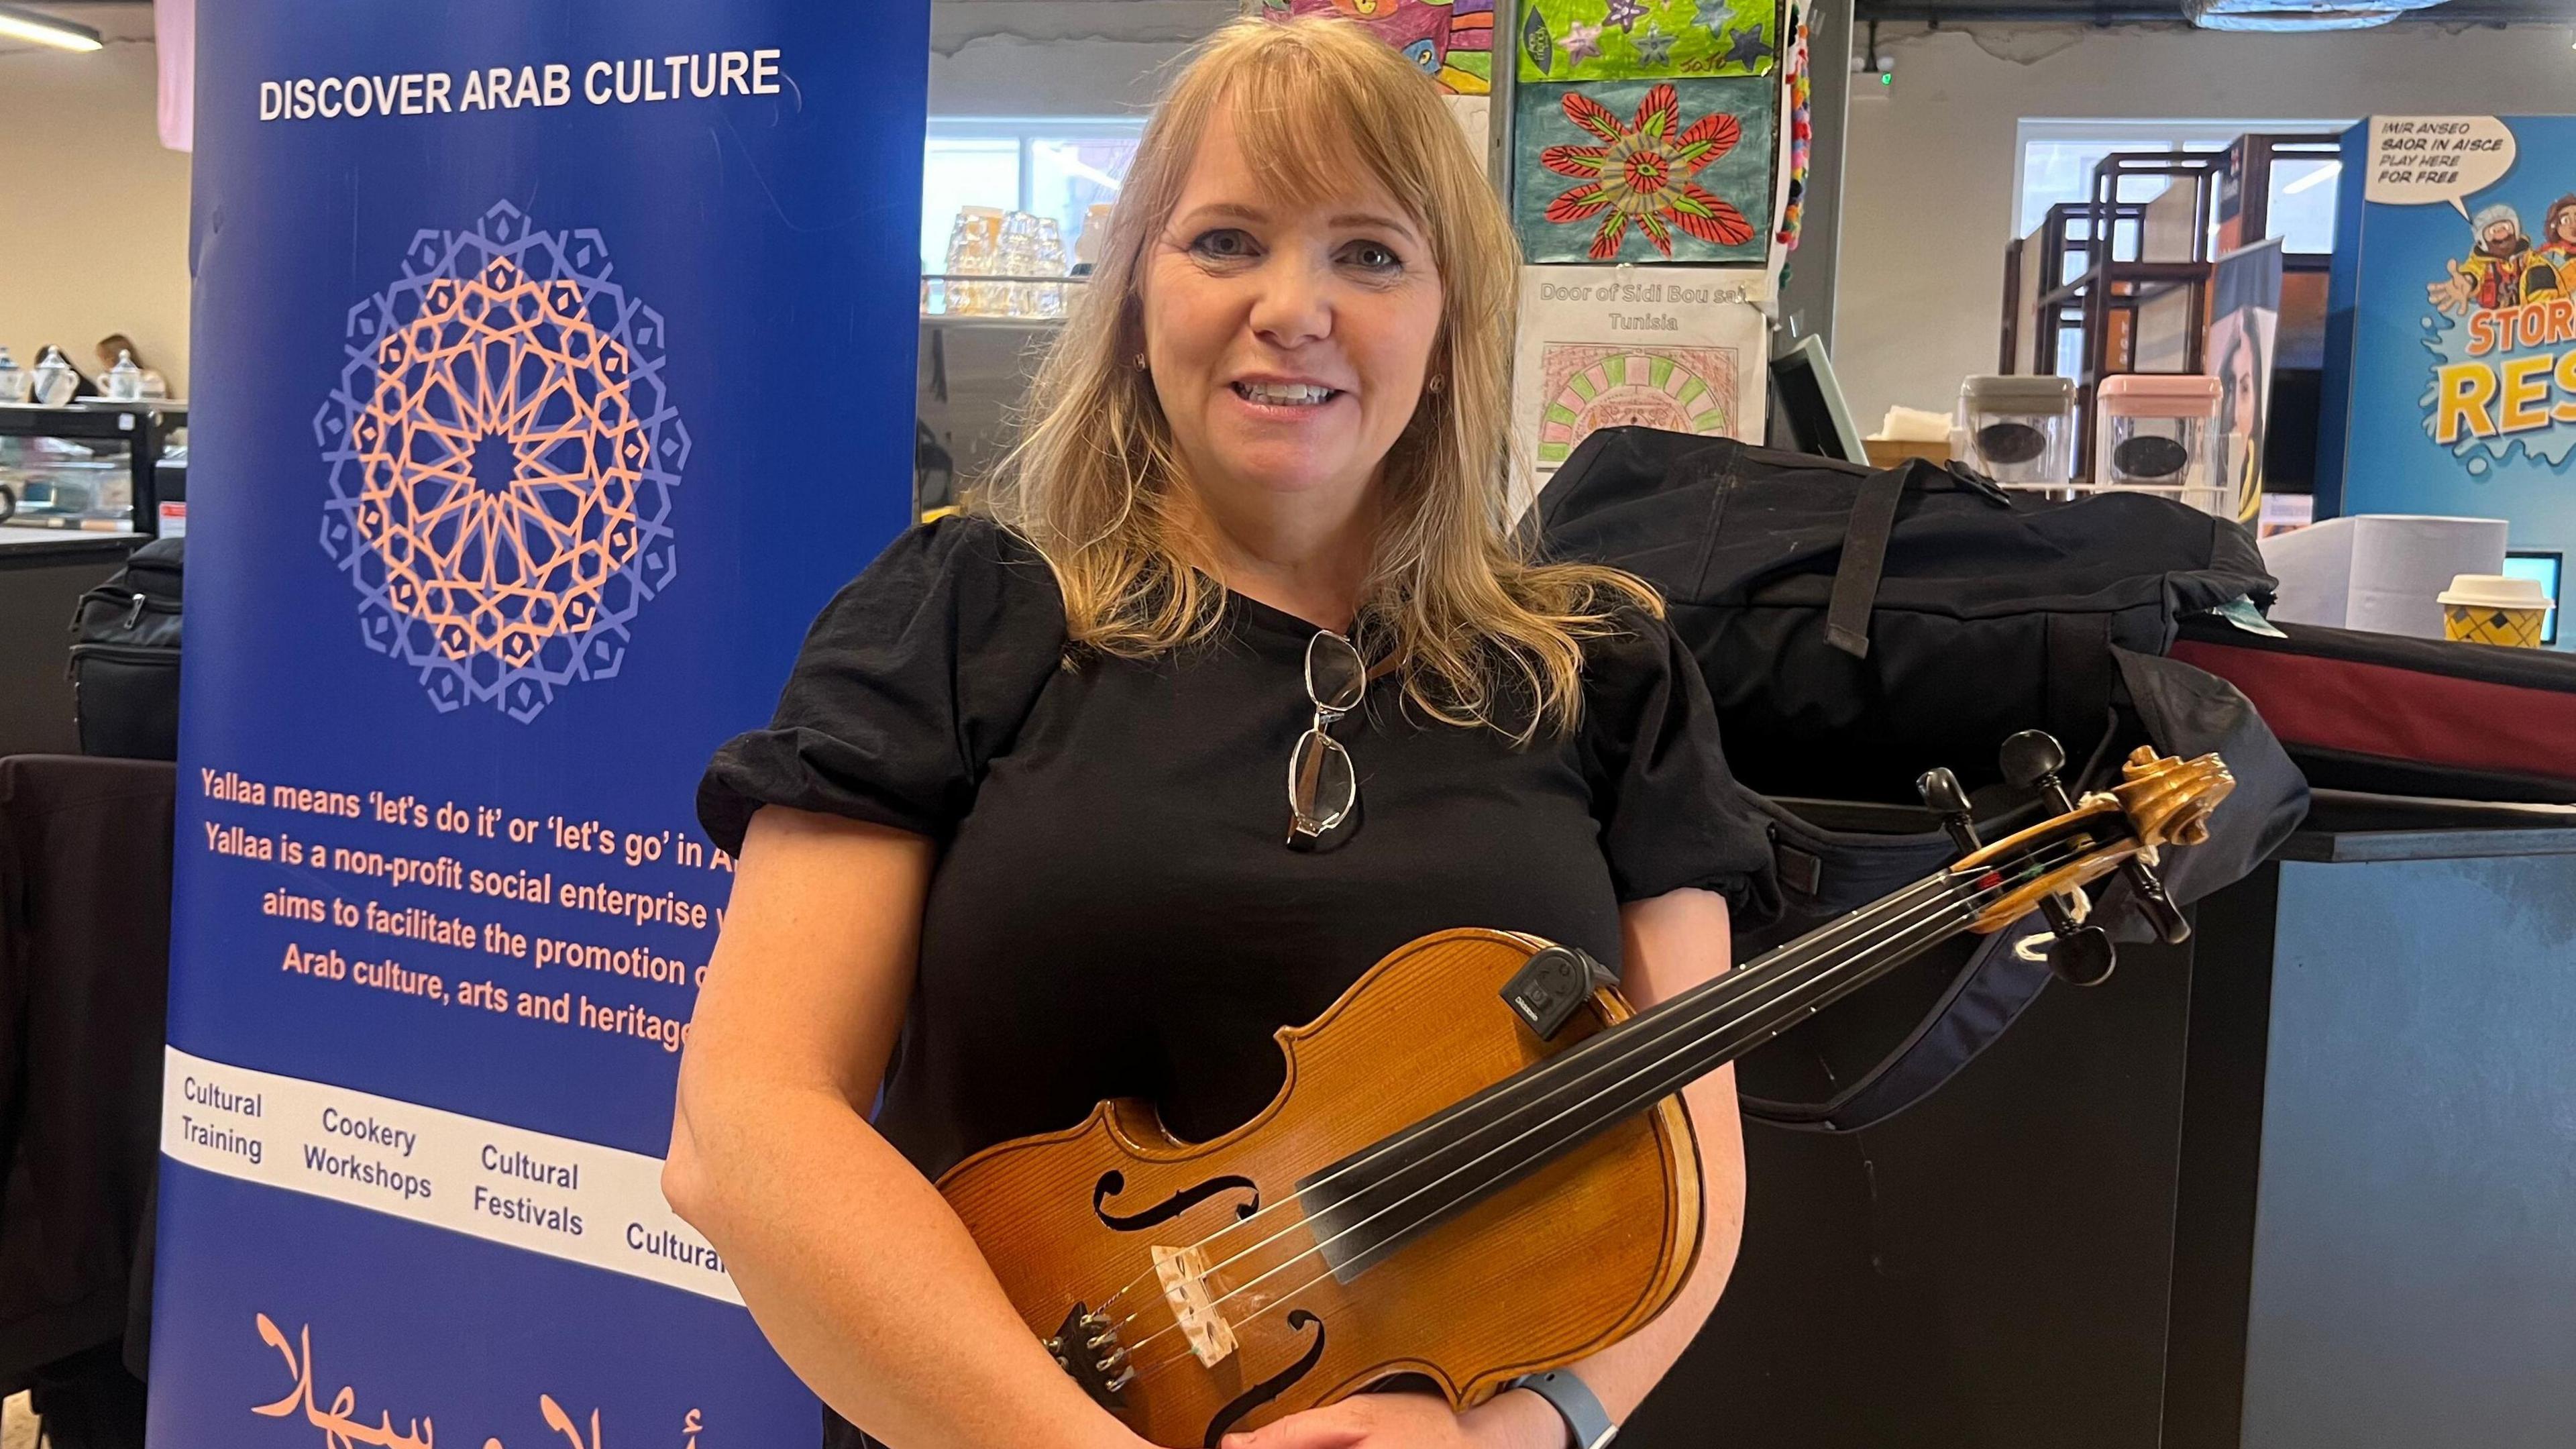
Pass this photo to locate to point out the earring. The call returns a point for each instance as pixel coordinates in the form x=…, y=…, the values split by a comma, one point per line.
x=1140, y=362
x=1435, y=385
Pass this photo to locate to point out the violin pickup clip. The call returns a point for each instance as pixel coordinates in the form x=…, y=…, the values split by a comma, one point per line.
x=1555, y=983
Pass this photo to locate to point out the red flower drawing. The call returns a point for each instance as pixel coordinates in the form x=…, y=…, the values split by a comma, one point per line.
x=1642, y=173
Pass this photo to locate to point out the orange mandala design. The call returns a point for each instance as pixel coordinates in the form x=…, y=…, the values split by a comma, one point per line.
x=499, y=460
x=504, y=457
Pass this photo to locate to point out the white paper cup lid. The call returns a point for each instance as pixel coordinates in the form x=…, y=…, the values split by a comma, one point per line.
x=2494, y=591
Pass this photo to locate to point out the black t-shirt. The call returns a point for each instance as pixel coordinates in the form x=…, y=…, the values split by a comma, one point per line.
x=1115, y=911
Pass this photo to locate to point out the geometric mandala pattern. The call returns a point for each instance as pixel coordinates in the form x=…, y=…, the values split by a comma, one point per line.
x=503, y=459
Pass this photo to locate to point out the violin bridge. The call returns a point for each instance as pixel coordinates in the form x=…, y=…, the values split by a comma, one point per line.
x=1184, y=1272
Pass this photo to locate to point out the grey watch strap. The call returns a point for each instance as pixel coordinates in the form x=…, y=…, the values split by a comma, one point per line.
x=1574, y=1402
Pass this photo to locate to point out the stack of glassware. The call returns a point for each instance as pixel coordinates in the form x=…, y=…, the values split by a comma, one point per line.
x=1051, y=262
x=974, y=250
x=989, y=242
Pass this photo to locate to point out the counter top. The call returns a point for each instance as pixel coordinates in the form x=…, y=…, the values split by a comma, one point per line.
x=18, y=545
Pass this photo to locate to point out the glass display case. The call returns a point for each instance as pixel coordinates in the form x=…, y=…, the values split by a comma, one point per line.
x=90, y=466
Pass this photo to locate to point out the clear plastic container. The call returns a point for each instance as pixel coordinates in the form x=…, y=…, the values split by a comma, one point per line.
x=2020, y=431
x=2158, y=432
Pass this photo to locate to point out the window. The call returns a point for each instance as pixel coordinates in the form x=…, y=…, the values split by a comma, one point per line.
x=2058, y=156
x=1052, y=166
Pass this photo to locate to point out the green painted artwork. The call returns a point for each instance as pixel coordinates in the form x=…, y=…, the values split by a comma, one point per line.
x=1645, y=171
x=1592, y=40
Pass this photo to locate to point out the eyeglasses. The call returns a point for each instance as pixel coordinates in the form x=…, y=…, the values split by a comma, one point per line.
x=1322, y=786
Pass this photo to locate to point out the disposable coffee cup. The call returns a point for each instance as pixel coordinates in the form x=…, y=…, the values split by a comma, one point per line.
x=2495, y=609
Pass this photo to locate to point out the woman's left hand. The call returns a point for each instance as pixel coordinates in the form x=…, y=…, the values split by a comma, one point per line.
x=1412, y=1421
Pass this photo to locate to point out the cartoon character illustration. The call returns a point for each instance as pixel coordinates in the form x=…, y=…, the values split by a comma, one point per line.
x=2502, y=270
x=2558, y=240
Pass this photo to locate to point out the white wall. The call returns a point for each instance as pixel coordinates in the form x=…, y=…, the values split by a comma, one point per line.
x=1928, y=177
x=93, y=212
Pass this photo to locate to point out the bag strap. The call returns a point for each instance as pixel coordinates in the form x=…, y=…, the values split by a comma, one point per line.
x=1873, y=522
x=1865, y=539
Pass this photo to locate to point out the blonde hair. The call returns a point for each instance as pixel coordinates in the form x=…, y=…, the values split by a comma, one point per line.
x=1474, y=625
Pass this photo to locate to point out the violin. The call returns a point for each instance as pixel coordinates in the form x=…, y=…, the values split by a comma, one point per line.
x=1477, y=1167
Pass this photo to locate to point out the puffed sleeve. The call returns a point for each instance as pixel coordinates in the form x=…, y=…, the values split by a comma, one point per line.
x=918, y=673
x=1671, y=812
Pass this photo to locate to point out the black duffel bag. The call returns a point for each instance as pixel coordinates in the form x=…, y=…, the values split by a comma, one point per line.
x=1859, y=627
x=125, y=657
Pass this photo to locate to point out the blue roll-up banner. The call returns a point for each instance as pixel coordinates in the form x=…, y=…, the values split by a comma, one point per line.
x=554, y=364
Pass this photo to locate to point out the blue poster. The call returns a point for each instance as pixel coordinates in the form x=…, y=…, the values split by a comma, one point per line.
x=2450, y=383
x=554, y=366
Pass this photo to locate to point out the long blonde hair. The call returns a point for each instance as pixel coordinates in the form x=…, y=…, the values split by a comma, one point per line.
x=1479, y=631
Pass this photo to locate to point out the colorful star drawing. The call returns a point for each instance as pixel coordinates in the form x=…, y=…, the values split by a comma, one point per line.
x=1625, y=14
x=1642, y=174
x=1746, y=47
x=1582, y=42
x=1654, y=48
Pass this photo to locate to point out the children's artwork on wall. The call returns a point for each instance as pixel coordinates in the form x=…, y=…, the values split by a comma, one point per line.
x=1475, y=117
x=1452, y=41
x=1586, y=386
x=1597, y=40
x=1671, y=171
x=1605, y=347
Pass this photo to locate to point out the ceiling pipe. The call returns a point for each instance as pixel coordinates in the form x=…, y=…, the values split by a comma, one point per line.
x=19, y=23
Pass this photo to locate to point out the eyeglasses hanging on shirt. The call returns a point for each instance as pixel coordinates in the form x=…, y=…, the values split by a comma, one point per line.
x=1322, y=785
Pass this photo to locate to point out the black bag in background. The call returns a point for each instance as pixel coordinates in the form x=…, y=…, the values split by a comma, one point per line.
x=1858, y=628
x=125, y=657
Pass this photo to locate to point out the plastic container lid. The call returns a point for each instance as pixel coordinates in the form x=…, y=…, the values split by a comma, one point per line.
x=2495, y=591
x=2023, y=393
x=2159, y=395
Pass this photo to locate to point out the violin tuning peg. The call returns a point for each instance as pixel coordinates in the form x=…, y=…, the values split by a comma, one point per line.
x=1946, y=797
x=2083, y=956
x=2154, y=904
x=2031, y=759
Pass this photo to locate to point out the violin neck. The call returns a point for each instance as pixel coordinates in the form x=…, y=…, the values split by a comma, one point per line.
x=1370, y=1203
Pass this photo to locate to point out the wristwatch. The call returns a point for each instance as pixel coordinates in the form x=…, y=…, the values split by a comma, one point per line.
x=1573, y=1401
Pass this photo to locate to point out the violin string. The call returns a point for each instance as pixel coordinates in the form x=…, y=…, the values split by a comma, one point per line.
x=1920, y=918
x=1915, y=918
x=1290, y=1295
x=1912, y=913
x=1897, y=902
x=1858, y=921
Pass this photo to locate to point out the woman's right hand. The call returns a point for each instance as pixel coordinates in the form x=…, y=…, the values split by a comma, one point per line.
x=848, y=1258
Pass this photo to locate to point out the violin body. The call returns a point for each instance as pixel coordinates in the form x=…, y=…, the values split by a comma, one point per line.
x=1439, y=1191
x=1542, y=1272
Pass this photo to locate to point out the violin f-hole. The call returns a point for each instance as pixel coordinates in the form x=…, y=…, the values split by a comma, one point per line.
x=1113, y=1183
x=1271, y=1387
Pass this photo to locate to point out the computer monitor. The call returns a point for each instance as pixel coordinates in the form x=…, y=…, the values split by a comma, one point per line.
x=2547, y=565
x=1820, y=422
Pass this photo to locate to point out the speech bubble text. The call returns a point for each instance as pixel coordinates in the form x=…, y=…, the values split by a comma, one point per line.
x=2420, y=160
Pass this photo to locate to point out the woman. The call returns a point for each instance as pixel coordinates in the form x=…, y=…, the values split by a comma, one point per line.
x=1021, y=803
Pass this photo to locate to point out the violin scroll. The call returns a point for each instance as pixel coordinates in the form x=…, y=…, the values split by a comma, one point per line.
x=2160, y=801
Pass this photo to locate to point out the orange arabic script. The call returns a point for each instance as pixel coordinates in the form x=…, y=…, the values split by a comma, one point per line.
x=342, y=1429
